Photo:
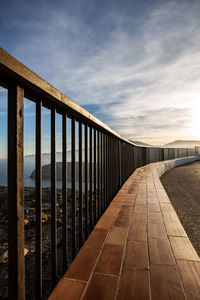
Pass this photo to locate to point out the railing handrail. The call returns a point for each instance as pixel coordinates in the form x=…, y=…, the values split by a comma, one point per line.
x=34, y=84
x=25, y=76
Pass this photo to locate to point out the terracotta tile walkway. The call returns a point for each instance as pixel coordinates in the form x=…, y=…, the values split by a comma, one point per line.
x=138, y=249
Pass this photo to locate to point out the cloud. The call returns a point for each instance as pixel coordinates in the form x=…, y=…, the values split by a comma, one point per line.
x=171, y=122
x=141, y=72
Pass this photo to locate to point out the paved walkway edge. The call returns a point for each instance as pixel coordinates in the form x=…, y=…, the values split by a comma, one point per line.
x=138, y=249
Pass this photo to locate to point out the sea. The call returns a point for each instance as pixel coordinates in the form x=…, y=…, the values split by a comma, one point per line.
x=29, y=166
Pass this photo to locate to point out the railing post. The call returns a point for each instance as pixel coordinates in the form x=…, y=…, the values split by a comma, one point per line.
x=102, y=175
x=120, y=162
x=53, y=200
x=147, y=156
x=98, y=174
x=91, y=215
x=163, y=156
x=16, y=266
x=73, y=180
x=86, y=182
x=64, y=191
x=38, y=190
x=95, y=177
x=80, y=186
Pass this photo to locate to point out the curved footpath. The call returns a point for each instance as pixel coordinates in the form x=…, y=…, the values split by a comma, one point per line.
x=138, y=249
x=182, y=185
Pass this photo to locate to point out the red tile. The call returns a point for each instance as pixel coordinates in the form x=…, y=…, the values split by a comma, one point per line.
x=139, y=219
x=183, y=248
x=163, y=199
x=152, y=195
x=117, y=235
x=105, y=222
x=190, y=274
x=123, y=218
x=141, y=196
x=110, y=260
x=156, y=230
x=136, y=255
x=67, y=289
x=115, y=205
x=153, y=207
x=137, y=232
x=165, y=283
x=175, y=228
x=111, y=212
x=127, y=204
x=83, y=264
x=160, y=252
x=140, y=209
x=101, y=287
x=141, y=201
x=170, y=216
x=162, y=193
x=166, y=206
x=96, y=238
x=124, y=197
x=124, y=203
x=152, y=200
x=134, y=284
x=155, y=217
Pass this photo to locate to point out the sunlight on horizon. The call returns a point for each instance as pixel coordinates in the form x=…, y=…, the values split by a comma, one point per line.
x=195, y=122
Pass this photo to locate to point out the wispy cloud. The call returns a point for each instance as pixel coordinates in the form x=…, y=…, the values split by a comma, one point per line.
x=141, y=73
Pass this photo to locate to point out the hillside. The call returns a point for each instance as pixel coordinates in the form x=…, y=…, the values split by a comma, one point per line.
x=46, y=171
x=183, y=144
x=138, y=143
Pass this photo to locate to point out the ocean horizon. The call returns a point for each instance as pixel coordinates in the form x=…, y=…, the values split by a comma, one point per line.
x=29, y=167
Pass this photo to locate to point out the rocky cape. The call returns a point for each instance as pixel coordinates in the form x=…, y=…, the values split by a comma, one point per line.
x=46, y=171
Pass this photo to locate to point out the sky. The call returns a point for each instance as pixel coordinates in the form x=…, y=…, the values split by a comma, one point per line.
x=135, y=65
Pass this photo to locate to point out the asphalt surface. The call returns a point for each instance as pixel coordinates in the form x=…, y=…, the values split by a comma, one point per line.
x=182, y=185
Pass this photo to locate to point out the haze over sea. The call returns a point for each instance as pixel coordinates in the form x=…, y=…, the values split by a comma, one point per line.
x=29, y=166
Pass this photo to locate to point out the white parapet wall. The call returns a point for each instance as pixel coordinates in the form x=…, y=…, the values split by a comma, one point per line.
x=164, y=166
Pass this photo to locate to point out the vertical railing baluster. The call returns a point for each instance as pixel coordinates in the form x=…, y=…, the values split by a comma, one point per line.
x=102, y=176
x=73, y=180
x=95, y=178
x=80, y=188
x=91, y=173
x=120, y=163
x=111, y=161
x=86, y=182
x=16, y=265
x=102, y=172
x=105, y=171
x=53, y=200
x=110, y=168
x=98, y=172
x=115, y=165
x=64, y=191
x=109, y=177
x=108, y=172
x=38, y=190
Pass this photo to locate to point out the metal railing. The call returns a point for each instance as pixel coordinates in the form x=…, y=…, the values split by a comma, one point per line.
x=105, y=160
